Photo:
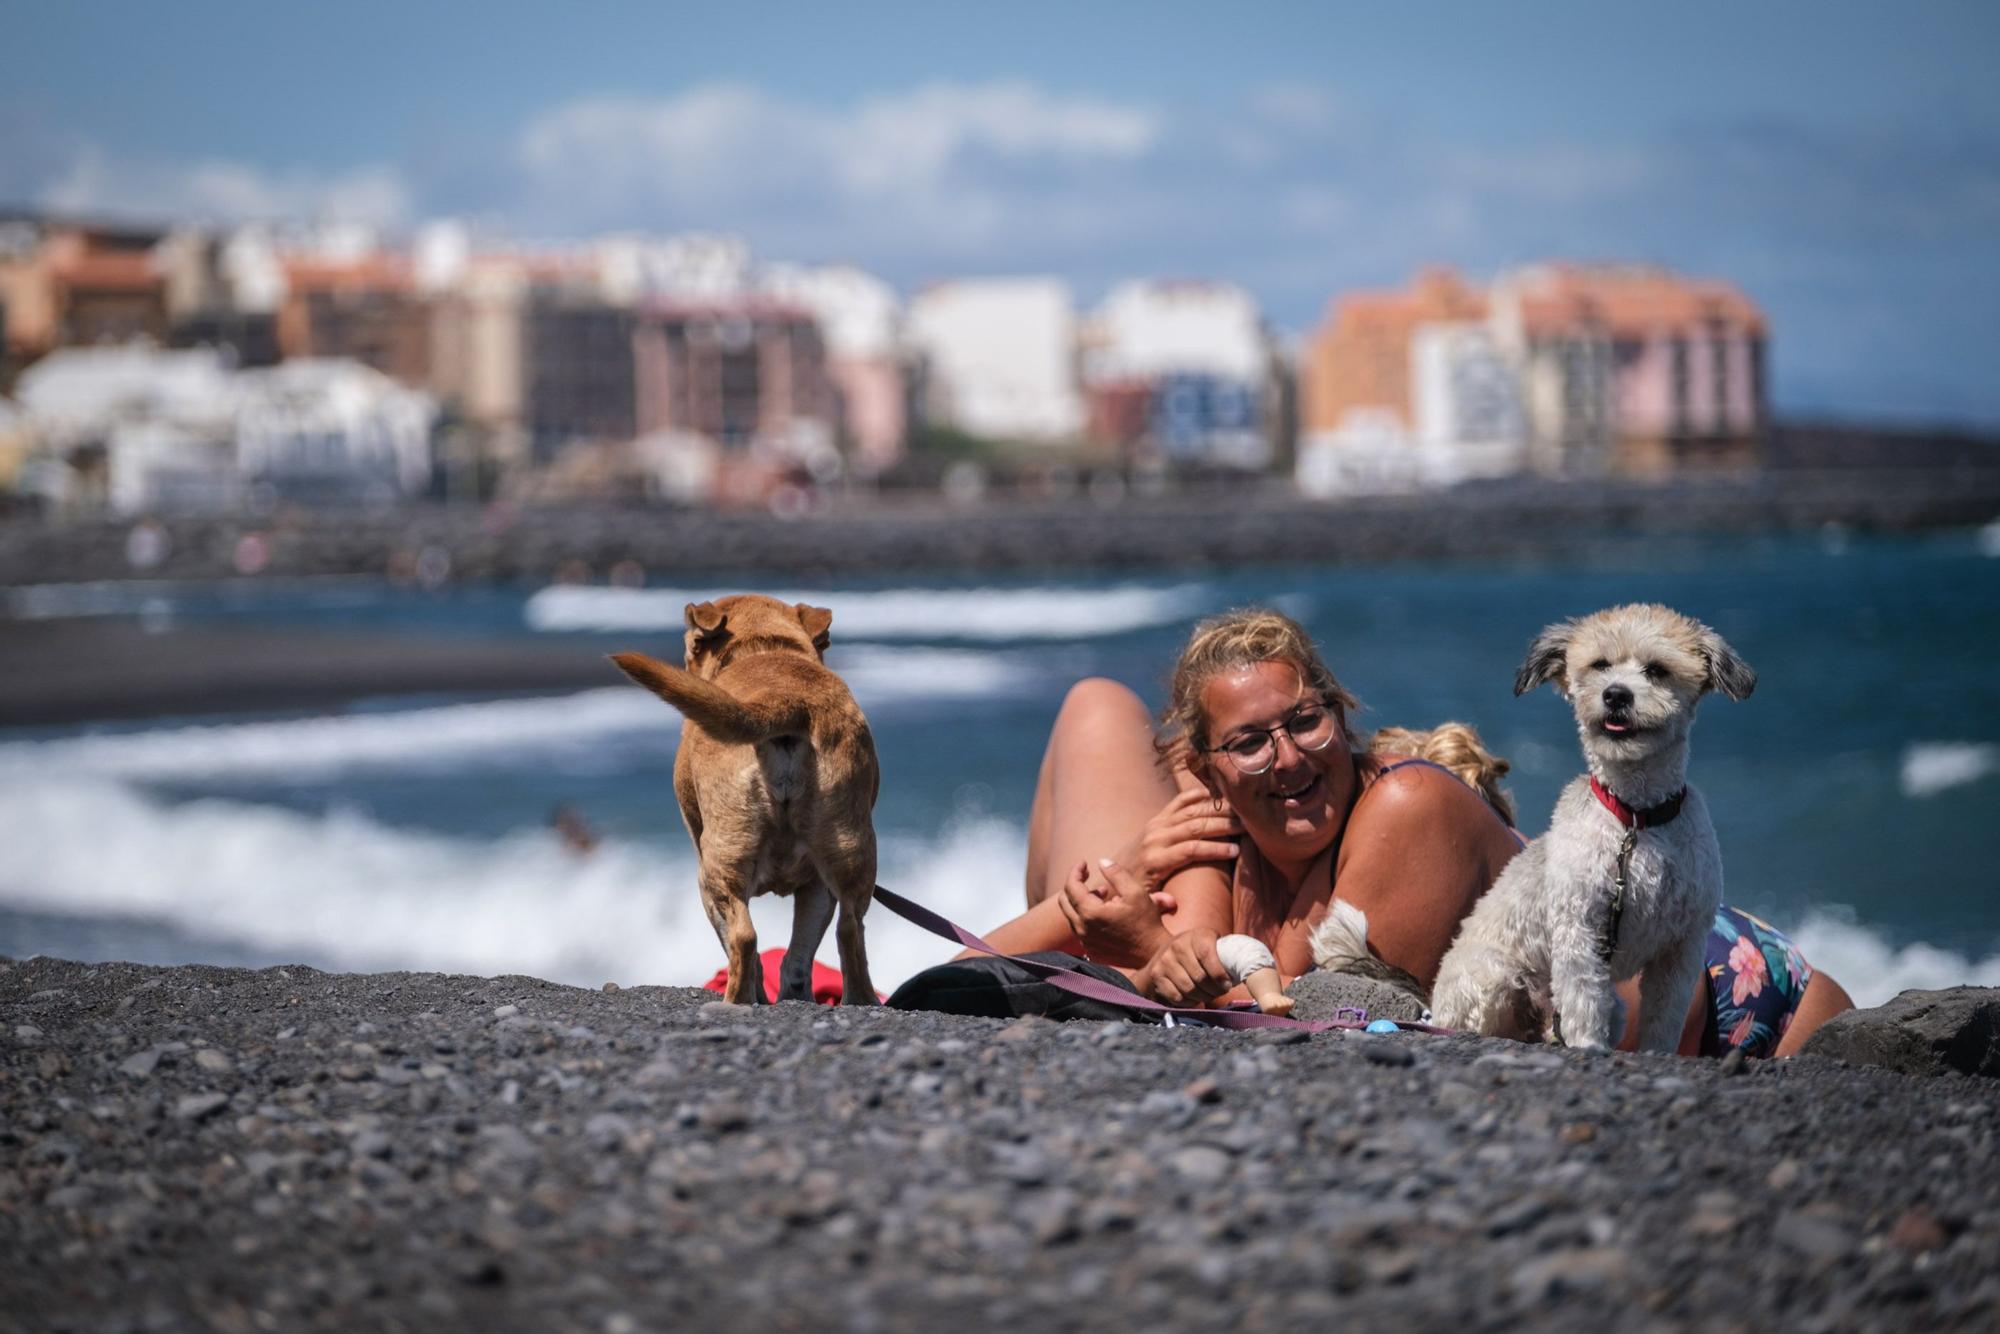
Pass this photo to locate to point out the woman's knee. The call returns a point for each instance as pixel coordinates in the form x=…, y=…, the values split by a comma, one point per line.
x=1098, y=702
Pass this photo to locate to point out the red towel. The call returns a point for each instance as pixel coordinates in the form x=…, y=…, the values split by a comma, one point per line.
x=826, y=981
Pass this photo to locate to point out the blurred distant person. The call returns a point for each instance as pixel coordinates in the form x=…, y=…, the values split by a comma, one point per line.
x=574, y=831
x=147, y=545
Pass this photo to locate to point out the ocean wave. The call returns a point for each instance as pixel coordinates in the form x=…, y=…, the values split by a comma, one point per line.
x=351, y=893
x=1873, y=971
x=448, y=736
x=1931, y=767
x=345, y=891
x=979, y=614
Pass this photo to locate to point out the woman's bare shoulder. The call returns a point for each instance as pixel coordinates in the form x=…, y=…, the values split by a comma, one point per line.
x=1417, y=802
x=1415, y=790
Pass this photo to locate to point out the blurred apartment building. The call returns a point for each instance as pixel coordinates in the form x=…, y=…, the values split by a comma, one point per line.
x=1184, y=373
x=1563, y=370
x=135, y=429
x=74, y=284
x=998, y=358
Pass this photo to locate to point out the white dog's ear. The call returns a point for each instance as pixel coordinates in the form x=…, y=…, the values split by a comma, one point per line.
x=1726, y=672
x=815, y=620
x=1546, y=658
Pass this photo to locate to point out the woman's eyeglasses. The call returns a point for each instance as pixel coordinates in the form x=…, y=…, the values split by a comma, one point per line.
x=1255, y=749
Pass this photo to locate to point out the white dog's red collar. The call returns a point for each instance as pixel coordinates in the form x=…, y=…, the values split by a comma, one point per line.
x=1637, y=819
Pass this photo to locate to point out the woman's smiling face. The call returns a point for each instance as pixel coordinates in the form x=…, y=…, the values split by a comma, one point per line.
x=1296, y=808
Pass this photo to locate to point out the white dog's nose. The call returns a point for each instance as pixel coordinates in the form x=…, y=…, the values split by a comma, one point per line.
x=1617, y=697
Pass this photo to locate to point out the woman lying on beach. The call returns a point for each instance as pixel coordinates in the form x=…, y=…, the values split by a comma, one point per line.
x=1254, y=809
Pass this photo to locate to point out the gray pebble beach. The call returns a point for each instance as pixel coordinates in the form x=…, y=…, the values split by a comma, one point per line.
x=210, y=1148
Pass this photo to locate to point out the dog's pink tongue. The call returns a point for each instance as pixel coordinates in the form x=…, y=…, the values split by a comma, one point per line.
x=1610, y=726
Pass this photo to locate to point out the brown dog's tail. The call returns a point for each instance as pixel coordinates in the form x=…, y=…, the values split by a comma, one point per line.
x=710, y=707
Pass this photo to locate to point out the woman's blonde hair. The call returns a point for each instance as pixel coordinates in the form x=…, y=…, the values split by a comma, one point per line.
x=1454, y=746
x=1240, y=638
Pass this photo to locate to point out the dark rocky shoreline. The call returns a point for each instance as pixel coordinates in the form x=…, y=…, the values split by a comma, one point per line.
x=199, y=1147
x=1251, y=521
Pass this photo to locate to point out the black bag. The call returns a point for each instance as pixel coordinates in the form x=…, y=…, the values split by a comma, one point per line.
x=996, y=988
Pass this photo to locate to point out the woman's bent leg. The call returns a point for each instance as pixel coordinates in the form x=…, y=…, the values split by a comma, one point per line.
x=1098, y=786
x=1823, y=999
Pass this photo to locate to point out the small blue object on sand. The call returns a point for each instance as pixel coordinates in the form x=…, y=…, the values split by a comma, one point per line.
x=1384, y=1026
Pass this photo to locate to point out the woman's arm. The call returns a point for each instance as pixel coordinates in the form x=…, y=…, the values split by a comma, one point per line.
x=1419, y=849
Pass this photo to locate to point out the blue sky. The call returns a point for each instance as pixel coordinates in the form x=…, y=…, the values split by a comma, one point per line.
x=1839, y=161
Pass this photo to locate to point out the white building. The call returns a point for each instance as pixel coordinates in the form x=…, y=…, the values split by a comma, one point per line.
x=693, y=266
x=1370, y=453
x=1000, y=357
x=1202, y=358
x=332, y=430
x=1466, y=399
x=1147, y=329
x=133, y=428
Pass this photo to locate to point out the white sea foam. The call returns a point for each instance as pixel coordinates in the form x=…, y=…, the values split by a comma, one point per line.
x=1932, y=767
x=1988, y=539
x=1873, y=971
x=349, y=892
x=354, y=894
x=450, y=736
x=979, y=614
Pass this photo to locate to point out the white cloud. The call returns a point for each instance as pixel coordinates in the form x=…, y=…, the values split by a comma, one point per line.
x=932, y=160
x=93, y=181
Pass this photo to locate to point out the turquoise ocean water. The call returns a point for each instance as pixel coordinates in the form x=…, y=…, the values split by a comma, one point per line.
x=1857, y=794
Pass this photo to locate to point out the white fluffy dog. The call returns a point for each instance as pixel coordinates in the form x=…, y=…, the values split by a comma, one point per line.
x=1629, y=875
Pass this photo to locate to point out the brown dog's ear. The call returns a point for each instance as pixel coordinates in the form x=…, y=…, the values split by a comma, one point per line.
x=705, y=618
x=815, y=620
x=1726, y=672
x=1546, y=658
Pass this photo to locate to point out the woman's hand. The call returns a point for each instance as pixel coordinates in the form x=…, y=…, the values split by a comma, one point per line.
x=1193, y=827
x=1185, y=971
x=1113, y=913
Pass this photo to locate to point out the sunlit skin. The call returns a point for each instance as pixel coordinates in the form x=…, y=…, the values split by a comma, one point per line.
x=1412, y=849
x=1295, y=809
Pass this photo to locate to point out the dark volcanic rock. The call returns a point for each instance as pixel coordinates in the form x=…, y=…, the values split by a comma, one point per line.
x=1321, y=995
x=1919, y=1033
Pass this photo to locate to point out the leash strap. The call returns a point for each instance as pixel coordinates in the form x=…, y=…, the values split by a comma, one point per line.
x=1082, y=984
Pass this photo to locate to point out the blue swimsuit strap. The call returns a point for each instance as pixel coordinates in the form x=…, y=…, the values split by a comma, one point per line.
x=1388, y=769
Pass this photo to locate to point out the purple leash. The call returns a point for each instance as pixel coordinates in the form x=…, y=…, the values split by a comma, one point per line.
x=1082, y=984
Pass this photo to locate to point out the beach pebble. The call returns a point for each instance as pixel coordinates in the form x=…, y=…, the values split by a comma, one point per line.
x=1200, y=1164
x=200, y=1106
x=141, y=1064
x=1570, y=1271
x=213, y=1061
x=1815, y=1238
x=1384, y=1051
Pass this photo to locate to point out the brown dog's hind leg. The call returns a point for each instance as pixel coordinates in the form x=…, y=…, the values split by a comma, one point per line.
x=729, y=913
x=850, y=870
x=812, y=913
x=855, y=988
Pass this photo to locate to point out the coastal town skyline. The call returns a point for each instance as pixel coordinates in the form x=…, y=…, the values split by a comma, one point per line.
x=1841, y=170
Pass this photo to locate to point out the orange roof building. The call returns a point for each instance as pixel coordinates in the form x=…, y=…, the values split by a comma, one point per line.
x=1360, y=357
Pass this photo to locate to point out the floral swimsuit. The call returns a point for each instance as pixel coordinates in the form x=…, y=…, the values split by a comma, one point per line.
x=1756, y=978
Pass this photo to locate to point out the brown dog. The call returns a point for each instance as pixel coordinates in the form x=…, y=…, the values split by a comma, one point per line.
x=776, y=778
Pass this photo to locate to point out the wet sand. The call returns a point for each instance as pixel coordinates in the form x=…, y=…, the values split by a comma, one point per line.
x=88, y=669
